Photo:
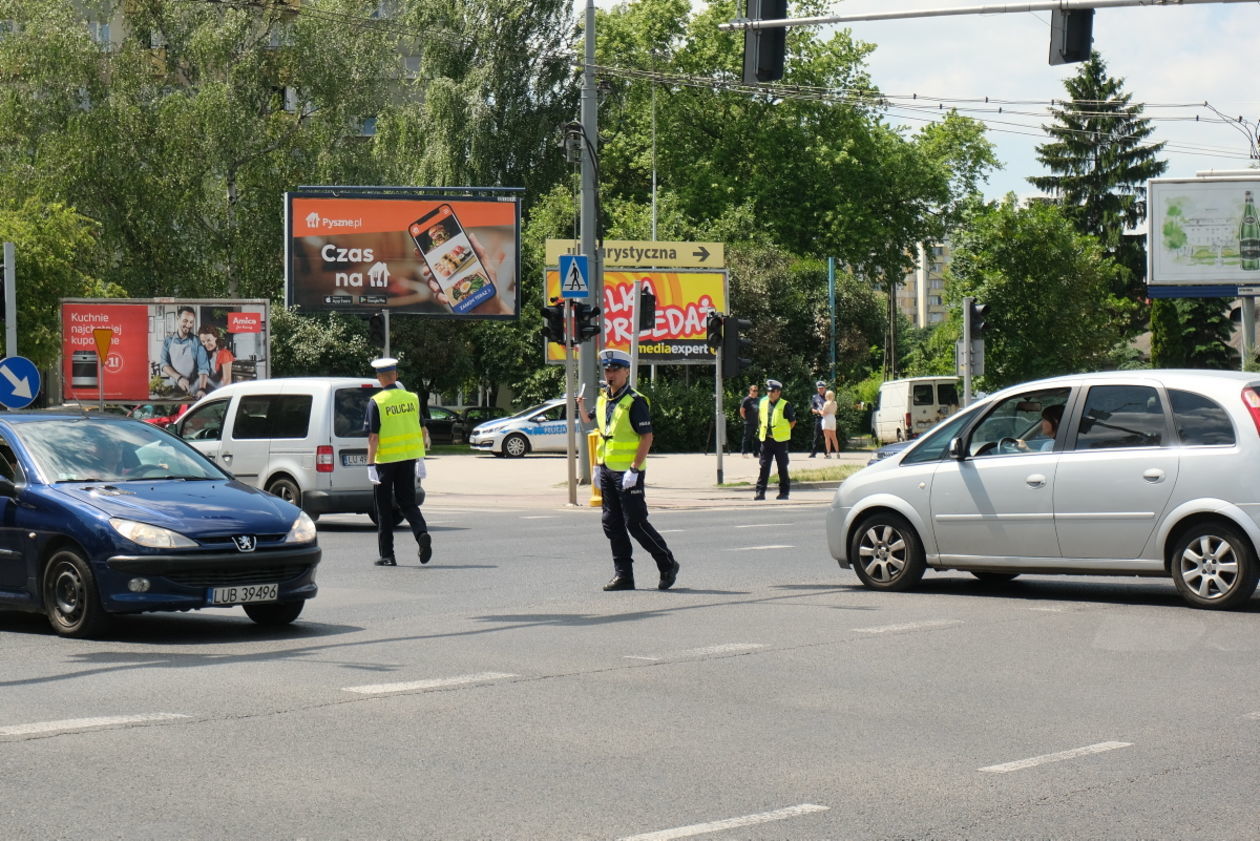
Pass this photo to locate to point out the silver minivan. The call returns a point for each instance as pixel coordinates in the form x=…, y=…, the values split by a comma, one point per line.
x=299, y=438
x=1146, y=473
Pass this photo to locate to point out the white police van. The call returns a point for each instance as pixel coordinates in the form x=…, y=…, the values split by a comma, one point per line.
x=540, y=429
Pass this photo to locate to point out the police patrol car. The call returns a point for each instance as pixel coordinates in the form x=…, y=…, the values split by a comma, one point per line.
x=540, y=429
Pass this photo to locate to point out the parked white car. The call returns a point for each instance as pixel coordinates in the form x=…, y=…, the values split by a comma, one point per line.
x=1149, y=473
x=539, y=429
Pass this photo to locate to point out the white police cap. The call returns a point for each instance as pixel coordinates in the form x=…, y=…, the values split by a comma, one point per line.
x=820, y=384
x=774, y=385
x=610, y=358
x=387, y=363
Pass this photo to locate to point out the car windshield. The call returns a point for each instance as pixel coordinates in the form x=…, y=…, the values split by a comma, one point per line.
x=85, y=450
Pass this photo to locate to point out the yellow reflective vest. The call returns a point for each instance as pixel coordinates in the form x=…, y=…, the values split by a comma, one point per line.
x=618, y=440
x=401, y=437
x=780, y=427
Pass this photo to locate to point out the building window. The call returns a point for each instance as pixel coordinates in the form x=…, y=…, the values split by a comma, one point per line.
x=99, y=32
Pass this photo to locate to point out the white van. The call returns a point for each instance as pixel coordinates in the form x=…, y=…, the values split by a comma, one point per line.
x=299, y=438
x=905, y=409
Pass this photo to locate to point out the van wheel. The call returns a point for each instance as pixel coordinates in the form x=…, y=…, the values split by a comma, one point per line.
x=515, y=446
x=397, y=518
x=1214, y=566
x=900, y=435
x=286, y=489
x=71, y=601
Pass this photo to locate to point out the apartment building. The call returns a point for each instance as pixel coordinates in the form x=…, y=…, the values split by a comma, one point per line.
x=920, y=295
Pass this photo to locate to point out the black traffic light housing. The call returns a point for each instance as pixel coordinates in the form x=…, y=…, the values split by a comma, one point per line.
x=764, y=48
x=553, y=323
x=376, y=329
x=713, y=327
x=735, y=347
x=1071, y=35
x=976, y=317
x=647, y=310
x=588, y=322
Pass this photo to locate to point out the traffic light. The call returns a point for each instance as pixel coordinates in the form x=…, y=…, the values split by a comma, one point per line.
x=735, y=347
x=976, y=317
x=553, y=323
x=764, y=48
x=647, y=310
x=1071, y=35
x=588, y=321
x=376, y=329
x=713, y=324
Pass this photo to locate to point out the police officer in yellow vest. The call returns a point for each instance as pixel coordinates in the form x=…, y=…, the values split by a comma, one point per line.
x=395, y=460
x=624, y=420
x=776, y=418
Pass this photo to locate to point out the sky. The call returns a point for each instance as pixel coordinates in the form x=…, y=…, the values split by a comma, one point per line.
x=1171, y=59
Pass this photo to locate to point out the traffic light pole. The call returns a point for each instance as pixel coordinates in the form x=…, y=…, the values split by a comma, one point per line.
x=589, y=373
x=718, y=426
x=964, y=355
x=571, y=402
x=10, y=301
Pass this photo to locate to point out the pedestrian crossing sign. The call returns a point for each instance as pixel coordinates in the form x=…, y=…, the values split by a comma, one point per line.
x=574, y=276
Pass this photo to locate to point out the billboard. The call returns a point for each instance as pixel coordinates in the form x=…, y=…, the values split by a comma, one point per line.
x=424, y=255
x=683, y=301
x=161, y=349
x=1203, y=232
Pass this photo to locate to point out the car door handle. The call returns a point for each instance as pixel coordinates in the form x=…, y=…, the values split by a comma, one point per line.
x=1036, y=480
x=1153, y=475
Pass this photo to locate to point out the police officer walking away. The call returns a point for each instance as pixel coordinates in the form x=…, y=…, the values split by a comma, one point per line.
x=395, y=460
x=777, y=418
x=624, y=421
x=816, y=403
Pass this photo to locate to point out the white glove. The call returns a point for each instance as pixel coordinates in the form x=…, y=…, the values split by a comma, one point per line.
x=629, y=479
x=373, y=476
x=421, y=471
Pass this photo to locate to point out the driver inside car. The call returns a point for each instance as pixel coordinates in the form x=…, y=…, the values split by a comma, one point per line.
x=1050, y=418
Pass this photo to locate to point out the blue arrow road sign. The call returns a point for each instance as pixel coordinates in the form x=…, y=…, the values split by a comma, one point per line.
x=574, y=276
x=19, y=382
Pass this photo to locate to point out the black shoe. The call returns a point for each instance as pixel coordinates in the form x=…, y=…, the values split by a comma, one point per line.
x=812, y=455
x=426, y=547
x=759, y=495
x=668, y=577
x=620, y=582
x=386, y=562
x=781, y=496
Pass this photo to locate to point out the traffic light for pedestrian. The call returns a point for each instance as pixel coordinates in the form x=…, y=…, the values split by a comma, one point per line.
x=553, y=323
x=764, y=48
x=713, y=326
x=976, y=318
x=588, y=322
x=647, y=310
x=735, y=348
x=1071, y=35
x=376, y=329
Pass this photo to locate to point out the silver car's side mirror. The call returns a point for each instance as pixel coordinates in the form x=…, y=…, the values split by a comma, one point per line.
x=956, y=450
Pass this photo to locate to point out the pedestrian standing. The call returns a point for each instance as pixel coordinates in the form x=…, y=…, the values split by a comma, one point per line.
x=395, y=461
x=816, y=409
x=748, y=411
x=776, y=419
x=624, y=420
x=829, y=425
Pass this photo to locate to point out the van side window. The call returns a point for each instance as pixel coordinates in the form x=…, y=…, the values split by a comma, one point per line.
x=1121, y=416
x=350, y=411
x=272, y=416
x=947, y=393
x=1200, y=421
x=924, y=395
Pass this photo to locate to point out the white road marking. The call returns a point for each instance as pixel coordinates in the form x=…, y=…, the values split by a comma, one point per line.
x=763, y=525
x=1031, y=762
x=729, y=823
x=68, y=724
x=540, y=517
x=669, y=531
x=758, y=548
x=725, y=648
x=433, y=683
x=909, y=626
x=1252, y=715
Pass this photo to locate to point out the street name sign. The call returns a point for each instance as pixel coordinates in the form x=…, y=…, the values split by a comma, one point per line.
x=647, y=254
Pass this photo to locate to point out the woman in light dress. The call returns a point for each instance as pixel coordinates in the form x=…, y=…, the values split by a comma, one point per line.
x=830, y=441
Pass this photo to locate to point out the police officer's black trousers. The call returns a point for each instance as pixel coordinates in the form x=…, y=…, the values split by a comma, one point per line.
x=776, y=451
x=398, y=485
x=626, y=514
x=819, y=441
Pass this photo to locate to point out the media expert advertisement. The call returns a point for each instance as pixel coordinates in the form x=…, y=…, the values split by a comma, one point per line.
x=683, y=301
x=1203, y=232
x=421, y=255
x=161, y=349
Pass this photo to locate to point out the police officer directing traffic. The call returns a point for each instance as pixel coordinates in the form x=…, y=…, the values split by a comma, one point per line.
x=624, y=420
x=395, y=460
x=776, y=418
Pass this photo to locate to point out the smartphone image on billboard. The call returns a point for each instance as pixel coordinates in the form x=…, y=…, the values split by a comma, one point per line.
x=450, y=257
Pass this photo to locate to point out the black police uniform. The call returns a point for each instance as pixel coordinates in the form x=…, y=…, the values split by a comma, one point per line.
x=816, y=403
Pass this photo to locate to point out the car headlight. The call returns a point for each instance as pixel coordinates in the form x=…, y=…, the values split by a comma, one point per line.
x=154, y=537
x=303, y=530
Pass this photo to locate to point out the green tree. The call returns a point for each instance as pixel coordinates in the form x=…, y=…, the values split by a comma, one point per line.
x=1047, y=287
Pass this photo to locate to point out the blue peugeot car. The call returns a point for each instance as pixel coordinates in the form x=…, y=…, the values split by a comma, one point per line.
x=103, y=515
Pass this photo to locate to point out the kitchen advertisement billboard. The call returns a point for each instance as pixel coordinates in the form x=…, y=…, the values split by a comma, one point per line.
x=683, y=301
x=424, y=255
x=1203, y=232
x=161, y=349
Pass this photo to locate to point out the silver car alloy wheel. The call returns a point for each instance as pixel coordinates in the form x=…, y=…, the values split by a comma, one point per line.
x=883, y=553
x=1209, y=567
